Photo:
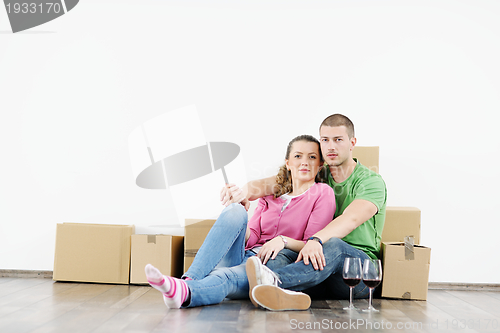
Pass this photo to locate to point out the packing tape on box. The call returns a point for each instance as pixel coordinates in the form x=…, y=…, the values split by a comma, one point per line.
x=152, y=239
x=406, y=295
x=409, y=248
x=190, y=253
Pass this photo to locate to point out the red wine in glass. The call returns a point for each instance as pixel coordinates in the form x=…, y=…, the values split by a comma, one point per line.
x=351, y=274
x=371, y=283
x=352, y=282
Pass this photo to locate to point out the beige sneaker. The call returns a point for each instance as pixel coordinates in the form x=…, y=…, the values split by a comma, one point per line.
x=278, y=299
x=259, y=274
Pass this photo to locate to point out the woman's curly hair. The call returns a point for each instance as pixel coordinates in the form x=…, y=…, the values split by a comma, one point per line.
x=284, y=177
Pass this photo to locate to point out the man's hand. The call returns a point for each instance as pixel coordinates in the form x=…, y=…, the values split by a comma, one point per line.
x=233, y=194
x=313, y=252
x=271, y=249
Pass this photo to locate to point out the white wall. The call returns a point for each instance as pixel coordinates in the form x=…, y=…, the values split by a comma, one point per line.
x=421, y=79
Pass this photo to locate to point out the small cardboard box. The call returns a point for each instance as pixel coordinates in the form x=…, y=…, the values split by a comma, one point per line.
x=195, y=231
x=165, y=252
x=92, y=253
x=368, y=156
x=401, y=222
x=405, y=271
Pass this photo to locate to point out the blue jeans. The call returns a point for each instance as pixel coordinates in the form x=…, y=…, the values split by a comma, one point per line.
x=218, y=270
x=327, y=283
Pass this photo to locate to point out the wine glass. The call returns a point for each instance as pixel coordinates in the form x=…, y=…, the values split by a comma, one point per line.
x=352, y=277
x=372, y=275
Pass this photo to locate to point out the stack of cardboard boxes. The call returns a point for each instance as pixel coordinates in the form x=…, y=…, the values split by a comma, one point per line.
x=114, y=254
x=405, y=263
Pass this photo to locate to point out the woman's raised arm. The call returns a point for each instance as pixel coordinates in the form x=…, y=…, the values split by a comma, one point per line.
x=251, y=191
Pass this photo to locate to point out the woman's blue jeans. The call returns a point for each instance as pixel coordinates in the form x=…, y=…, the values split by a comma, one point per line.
x=326, y=283
x=218, y=270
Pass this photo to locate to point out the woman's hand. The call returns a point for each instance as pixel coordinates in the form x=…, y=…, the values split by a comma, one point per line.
x=233, y=194
x=271, y=249
x=313, y=252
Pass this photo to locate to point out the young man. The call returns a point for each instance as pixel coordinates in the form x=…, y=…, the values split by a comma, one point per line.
x=355, y=231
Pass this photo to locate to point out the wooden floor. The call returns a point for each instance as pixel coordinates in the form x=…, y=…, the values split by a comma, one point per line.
x=41, y=305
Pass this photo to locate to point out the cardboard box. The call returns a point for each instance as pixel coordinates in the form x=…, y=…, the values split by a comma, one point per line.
x=165, y=252
x=368, y=156
x=401, y=222
x=405, y=272
x=195, y=231
x=92, y=253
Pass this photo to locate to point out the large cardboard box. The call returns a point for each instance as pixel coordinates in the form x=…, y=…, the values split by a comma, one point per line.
x=368, y=156
x=165, y=252
x=401, y=222
x=92, y=253
x=195, y=231
x=405, y=271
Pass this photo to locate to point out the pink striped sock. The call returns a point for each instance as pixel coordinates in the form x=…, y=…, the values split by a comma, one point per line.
x=175, y=291
x=177, y=294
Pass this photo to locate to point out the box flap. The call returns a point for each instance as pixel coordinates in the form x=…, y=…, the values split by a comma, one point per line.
x=367, y=156
x=401, y=222
x=198, y=222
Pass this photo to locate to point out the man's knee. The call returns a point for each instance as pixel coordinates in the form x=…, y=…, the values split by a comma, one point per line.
x=337, y=248
x=333, y=242
x=333, y=247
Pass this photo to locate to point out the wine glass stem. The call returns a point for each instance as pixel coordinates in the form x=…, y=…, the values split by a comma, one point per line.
x=370, y=306
x=350, y=296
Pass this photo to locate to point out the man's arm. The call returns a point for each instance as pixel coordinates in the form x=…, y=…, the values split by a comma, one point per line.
x=357, y=213
x=251, y=191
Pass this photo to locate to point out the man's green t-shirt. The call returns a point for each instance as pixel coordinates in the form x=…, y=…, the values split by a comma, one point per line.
x=368, y=185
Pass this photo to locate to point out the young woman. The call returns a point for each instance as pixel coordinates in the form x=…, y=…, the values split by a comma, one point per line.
x=299, y=208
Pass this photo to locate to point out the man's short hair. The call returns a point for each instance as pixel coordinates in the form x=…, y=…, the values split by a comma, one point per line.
x=339, y=120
